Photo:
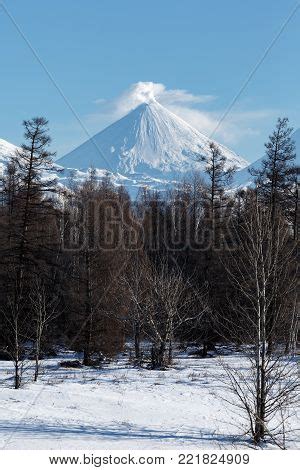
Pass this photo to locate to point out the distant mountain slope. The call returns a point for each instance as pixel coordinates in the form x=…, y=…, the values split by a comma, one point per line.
x=244, y=178
x=6, y=151
x=296, y=137
x=153, y=176
x=150, y=144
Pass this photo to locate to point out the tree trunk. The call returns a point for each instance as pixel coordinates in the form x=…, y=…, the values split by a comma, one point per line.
x=158, y=356
x=36, y=369
x=204, y=349
x=37, y=360
x=88, y=313
x=17, y=375
x=137, y=342
x=170, y=359
x=17, y=356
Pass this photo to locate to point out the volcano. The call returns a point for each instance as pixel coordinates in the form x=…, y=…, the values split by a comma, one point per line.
x=150, y=146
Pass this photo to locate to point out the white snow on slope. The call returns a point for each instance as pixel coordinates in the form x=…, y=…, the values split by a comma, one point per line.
x=148, y=143
x=158, y=172
x=7, y=150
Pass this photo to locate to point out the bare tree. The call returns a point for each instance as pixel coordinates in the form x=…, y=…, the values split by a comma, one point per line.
x=276, y=179
x=276, y=182
x=171, y=306
x=16, y=323
x=44, y=310
x=262, y=268
x=27, y=235
x=32, y=162
x=219, y=178
x=135, y=283
x=280, y=399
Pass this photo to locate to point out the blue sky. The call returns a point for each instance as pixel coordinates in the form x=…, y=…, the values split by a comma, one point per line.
x=198, y=53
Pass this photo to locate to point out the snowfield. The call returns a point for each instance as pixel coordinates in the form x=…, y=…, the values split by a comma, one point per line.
x=122, y=407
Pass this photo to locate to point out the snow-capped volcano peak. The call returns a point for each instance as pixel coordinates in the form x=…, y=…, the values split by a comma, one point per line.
x=150, y=141
x=7, y=150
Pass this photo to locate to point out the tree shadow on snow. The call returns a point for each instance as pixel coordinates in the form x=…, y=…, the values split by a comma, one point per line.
x=119, y=431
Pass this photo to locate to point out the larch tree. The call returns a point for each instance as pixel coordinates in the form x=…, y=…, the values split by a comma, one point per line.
x=217, y=210
x=276, y=178
x=29, y=236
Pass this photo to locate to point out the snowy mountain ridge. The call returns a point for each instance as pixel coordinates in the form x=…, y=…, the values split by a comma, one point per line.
x=149, y=147
x=7, y=150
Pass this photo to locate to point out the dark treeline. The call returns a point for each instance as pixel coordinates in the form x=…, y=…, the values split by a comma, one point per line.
x=87, y=268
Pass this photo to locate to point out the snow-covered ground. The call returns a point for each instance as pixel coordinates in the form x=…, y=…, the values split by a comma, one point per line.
x=122, y=407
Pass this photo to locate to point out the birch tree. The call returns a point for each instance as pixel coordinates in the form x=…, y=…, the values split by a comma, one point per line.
x=44, y=310
x=263, y=268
